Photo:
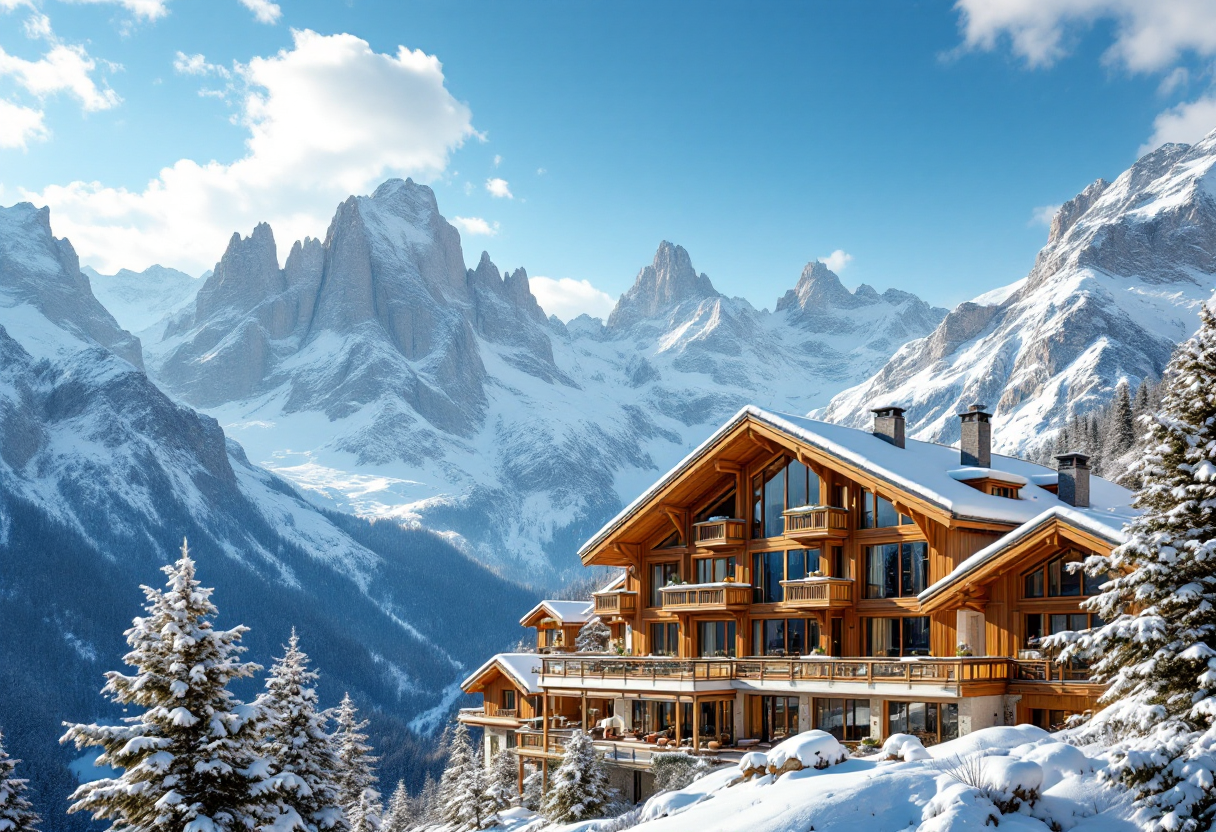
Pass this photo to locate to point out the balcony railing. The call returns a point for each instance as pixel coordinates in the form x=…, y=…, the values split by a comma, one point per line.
x=816, y=522
x=722, y=533
x=922, y=671
x=706, y=596
x=615, y=602
x=1045, y=670
x=818, y=593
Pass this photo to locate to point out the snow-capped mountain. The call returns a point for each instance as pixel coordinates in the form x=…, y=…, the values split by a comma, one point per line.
x=377, y=371
x=140, y=300
x=1117, y=286
x=101, y=475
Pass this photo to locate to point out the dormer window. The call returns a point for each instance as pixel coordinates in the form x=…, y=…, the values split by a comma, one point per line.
x=1007, y=491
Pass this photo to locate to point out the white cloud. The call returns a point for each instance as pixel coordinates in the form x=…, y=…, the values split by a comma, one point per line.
x=1043, y=215
x=498, y=188
x=497, y=160
x=837, y=260
x=142, y=9
x=38, y=27
x=1149, y=35
x=184, y=64
x=541, y=171
x=20, y=125
x=476, y=226
x=326, y=118
x=1178, y=78
x=1187, y=123
x=263, y=10
x=64, y=69
x=568, y=298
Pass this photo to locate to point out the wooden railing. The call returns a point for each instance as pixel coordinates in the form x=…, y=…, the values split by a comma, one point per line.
x=714, y=534
x=706, y=596
x=1045, y=670
x=615, y=602
x=816, y=521
x=501, y=713
x=818, y=593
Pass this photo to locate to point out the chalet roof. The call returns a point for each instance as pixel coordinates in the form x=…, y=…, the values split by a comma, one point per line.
x=567, y=612
x=924, y=469
x=1101, y=526
x=521, y=668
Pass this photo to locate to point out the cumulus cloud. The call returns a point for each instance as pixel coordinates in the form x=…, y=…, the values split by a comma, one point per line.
x=568, y=298
x=263, y=10
x=1149, y=35
x=1043, y=215
x=476, y=226
x=184, y=64
x=66, y=69
x=1187, y=123
x=837, y=260
x=499, y=188
x=326, y=118
x=20, y=125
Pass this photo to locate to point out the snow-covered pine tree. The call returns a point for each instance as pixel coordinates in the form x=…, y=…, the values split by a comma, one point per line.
x=503, y=780
x=356, y=767
x=16, y=812
x=1119, y=430
x=463, y=802
x=303, y=754
x=1157, y=648
x=579, y=789
x=191, y=758
x=593, y=637
x=534, y=794
x=399, y=816
x=426, y=805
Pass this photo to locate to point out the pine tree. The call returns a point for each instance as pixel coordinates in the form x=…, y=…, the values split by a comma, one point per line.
x=16, y=811
x=399, y=817
x=1158, y=647
x=426, y=806
x=463, y=802
x=578, y=790
x=503, y=780
x=300, y=749
x=593, y=637
x=191, y=758
x=356, y=768
x=534, y=794
x=1120, y=430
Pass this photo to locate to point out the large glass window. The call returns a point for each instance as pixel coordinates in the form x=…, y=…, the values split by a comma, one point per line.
x=714, y=570
x=844, y=719
x=878, y=513
x=768, y=570
x=782, y=485
x=908, y=636
x=778, y=717
x=664, y=639
x=801, y=562
x=784, y=636
x=661, y=574
x=1059, y=580
x=897, y=570
x=715, y=639
x=931, y=722
x=723, y=507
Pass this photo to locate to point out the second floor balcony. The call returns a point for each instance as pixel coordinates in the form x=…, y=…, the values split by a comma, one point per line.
x=816, y=523
x=615, y=603
x=720, y=533
x=818, y=593
x=707, y=597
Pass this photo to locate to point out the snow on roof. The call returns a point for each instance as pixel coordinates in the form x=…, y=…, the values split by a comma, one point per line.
x=969, y=474
x=1108, y=527
x=920, y=468
x=567, y=612
x=521, y=668
x=616, y=583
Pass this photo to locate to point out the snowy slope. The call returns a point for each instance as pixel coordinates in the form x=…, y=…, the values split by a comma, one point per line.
x=101, y=475
x=1118, y=284
x=141, y=300
x=379, y=374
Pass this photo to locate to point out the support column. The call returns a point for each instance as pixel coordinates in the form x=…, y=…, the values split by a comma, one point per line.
x=696, y=725
x=520, y=781
x=584, y=709
x=679, y=718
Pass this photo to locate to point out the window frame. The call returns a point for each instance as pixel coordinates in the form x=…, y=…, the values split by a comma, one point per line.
x=903, y=569
x=868, y=640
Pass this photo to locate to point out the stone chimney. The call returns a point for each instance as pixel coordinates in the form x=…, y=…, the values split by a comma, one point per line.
x=975, y=447
x=1073, y=471
x=889, y=425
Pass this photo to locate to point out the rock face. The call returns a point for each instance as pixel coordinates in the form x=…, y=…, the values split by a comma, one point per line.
x=1117, y=286
x=377, y=371
x=101, y=475
x=141, y=300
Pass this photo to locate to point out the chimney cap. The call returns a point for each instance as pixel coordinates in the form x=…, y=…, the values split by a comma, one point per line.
x=976, y=410
x=888, y=410
x=1074, y=459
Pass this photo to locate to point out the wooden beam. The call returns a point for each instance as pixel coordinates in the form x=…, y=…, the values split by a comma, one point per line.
x=761, y=441
x=724, y=467
x=676, y=516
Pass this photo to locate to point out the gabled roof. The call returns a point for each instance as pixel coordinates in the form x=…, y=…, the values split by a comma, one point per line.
x=520, y=668
x=921, y=469
x=984, y=563
x=567, y=612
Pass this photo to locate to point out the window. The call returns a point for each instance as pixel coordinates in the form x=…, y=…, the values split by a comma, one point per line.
x=508, y=700
x=769, y=569
x=552, y=637
x=664, y=639
x=840, y=496
x=1004, y=491
x=661, y=574
x=1049, y=720
x=897, y=570
x=778, y=717
x=931, y=722
x=780, y=486
x=1060, y=580
x=715, y=639
x=784, y=636
x=714, y=570
x=723, y=507
x=838, y=566
x=1045, y=624
x=878, y=513
x=845, y=719
x=897, y=636
x=671, y=541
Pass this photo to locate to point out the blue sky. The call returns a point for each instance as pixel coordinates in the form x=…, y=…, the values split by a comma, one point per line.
x=922, y=142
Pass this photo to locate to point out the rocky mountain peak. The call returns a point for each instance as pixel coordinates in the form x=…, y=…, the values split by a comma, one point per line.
x=1068, y=213
x=819, y=287
x=246, y=275
x=668, y=281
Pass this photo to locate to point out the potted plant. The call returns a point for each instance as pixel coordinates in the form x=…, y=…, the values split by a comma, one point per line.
x=962, y=651
x=869, y=745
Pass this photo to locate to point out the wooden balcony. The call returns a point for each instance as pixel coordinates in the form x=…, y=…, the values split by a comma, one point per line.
x=818, y=593
x=706, y=597
x=811, y=523
x=1050, y=672
x=725, y=533
x=615, y=603
x=490, y=714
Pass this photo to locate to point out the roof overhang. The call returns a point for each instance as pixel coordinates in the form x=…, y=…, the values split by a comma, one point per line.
x=536, y=616
x=482, y=676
